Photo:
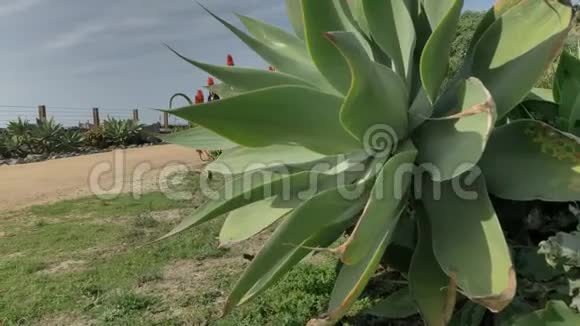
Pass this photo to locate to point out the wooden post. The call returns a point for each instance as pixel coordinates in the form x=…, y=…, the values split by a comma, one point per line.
x=41, y=113
x=165, y=120
x=136, y=115
x=96, y=119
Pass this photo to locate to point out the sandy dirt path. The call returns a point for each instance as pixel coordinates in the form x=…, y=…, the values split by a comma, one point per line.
x=130, y=170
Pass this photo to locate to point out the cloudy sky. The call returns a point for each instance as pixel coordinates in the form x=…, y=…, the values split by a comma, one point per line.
x=109, y=54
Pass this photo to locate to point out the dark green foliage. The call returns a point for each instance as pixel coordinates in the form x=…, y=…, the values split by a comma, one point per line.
x=22, y=138
x=460, y=46
x=45, y=137
x=71, y=140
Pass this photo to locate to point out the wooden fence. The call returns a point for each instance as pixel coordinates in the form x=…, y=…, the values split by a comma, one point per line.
x=85, y=118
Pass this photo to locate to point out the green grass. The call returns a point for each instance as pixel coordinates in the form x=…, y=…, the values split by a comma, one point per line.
x=94, y=260
x=303, y=294
x=28, y=293
x=123, y=205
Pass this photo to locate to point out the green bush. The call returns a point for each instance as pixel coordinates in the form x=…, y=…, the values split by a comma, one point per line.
x=3, y=149
x=122, y=132
x=46, y=137
x=22, y=138
x=71, y=140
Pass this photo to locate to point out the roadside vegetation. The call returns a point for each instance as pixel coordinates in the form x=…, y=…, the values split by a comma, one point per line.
x=22, y=139
x=89, y=261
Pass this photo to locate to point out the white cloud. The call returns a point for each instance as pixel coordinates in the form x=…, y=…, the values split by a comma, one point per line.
x=11, y=7
x=75, y=37
x=138, y=23
x=84, y=33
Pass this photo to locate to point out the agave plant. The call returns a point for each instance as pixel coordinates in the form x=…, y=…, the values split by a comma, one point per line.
x=122, y=132
x=19, y=137
x=71, y=140
x=361, y=84
x=47, y=136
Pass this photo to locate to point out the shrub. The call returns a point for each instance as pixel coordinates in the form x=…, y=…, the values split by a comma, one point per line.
x=71, y=140
x=22, y=138
x=46, y=137
x=95, y=137
x=18, y=139
x=4, y=153
x=122, y=132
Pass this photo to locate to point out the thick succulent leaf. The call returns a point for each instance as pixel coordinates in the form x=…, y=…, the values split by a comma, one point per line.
x=499, y=8
x=284, y=61
x=275, y=37
x=243, y=159
x=528, y=160
x=568, y=72
x=398, y=305
x=435, y=56
x=486, y=21
x=514, y=51
x=569, y=109
x=328, y=60
x=294, y=11
x=224, y=90
x=387, y=201
x=567, y=91
x=437, y=10
x=556, y=313
x=245, y=79
x=541, y=94
x=277, y=116
x=428, y=284
x=391, y=26
x=246, y=222
x=424, y=31
x=353, y=279
x=241, y=191
x=316, y=223
x=352, y=25
x=471, y=314
x=377, y=96
x=199, y=138
x=420, y=111
x=358, y=13
x=466, y=132
x=464, y=225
